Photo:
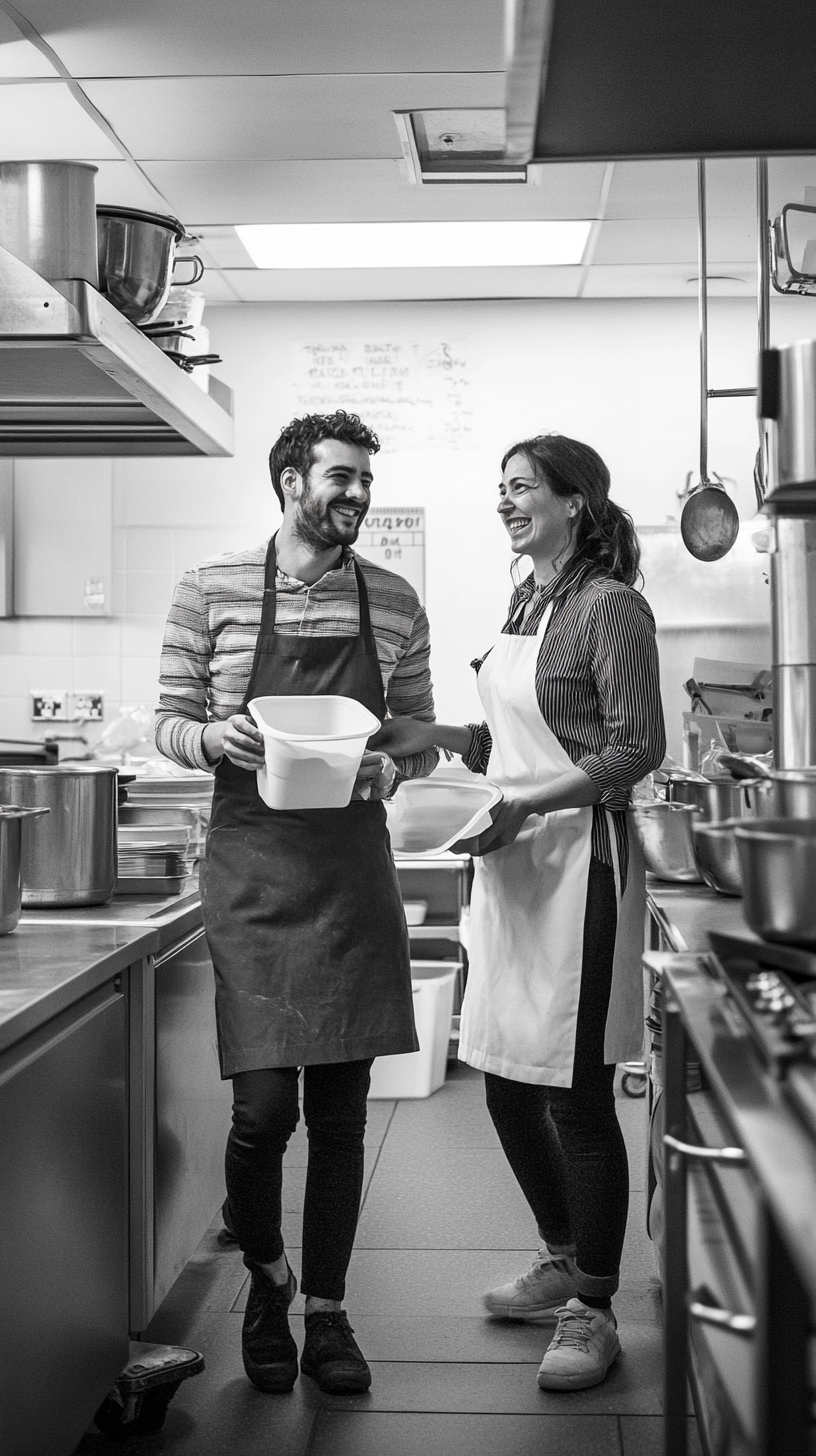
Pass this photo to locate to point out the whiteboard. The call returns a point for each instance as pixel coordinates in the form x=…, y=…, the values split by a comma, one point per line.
x=394, y=537
x=411, y=394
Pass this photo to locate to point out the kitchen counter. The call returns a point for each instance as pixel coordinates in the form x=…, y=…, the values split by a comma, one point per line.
x=54, y=958
x=686, y=913
x=113, y=1121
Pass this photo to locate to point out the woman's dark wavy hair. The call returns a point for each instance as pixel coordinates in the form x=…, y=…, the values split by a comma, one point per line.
x=295, y=443
x=606, y=536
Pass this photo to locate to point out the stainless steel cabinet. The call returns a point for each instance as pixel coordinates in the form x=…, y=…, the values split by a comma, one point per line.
x=180, y=1118
x=63, y=1224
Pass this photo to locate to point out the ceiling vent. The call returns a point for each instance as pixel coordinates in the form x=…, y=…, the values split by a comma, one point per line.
x=456, y=146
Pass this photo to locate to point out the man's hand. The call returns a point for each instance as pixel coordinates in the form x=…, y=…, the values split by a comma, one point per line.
x=375, y=776
x=237, y=739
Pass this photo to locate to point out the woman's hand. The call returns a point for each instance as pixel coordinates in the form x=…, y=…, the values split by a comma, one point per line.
x=508, y=818
x=402, y=737
x=237, y=739
x=375, y=776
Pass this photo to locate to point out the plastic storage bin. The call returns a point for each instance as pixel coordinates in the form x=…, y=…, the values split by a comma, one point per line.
x=418, y=1074
x=313, y=748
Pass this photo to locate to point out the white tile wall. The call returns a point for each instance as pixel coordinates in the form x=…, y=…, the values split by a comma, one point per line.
x=618, y=373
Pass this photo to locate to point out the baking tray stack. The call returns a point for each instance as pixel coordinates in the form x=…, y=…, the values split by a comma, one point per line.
x=153, y=859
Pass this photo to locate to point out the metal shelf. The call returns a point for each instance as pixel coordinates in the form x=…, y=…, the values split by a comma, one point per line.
x=77, y=378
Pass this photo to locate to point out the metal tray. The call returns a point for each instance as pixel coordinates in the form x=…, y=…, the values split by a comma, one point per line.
x=152, y=885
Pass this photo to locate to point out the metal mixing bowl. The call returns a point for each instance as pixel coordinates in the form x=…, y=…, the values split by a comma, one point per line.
x=778, y=865
x=664, y=831
x=715, y=850
x=717, y=799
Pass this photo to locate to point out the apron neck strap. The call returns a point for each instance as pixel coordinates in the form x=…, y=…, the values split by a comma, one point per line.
x=270, y=597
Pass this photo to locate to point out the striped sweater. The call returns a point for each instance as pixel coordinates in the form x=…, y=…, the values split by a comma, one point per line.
x=212, y=628
x=597, y=683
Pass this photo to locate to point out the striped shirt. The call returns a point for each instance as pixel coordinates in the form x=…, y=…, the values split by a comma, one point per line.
x=597, y=685
x=212, y=628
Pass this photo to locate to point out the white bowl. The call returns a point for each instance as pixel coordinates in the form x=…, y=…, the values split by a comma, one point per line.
x=415, y=911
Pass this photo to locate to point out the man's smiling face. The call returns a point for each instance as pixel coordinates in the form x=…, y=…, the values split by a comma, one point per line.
x=332, y=500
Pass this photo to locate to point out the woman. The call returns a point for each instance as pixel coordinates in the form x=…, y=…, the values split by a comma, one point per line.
x=553, y=1001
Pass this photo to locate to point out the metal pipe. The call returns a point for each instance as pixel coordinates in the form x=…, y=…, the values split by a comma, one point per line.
x=761, y=473
x=702, y=296
x=763, y=270
x=730, y=393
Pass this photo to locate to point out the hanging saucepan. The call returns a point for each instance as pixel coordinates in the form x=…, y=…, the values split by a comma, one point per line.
x=136, y=255
x=709, y=522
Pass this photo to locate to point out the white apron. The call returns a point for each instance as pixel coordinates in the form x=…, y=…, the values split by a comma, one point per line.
x=520, y=1009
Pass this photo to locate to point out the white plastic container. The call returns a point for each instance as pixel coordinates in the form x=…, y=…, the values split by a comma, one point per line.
x=418, y=1074
x=427, y=816
x=313, y=747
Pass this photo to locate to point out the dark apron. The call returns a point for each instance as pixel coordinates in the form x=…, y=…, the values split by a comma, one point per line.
x=302, y=908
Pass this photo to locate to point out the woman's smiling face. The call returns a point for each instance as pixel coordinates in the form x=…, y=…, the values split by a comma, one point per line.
x=537, y=520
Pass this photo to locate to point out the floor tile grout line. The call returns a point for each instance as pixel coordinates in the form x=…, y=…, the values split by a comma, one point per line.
x=377, y=1159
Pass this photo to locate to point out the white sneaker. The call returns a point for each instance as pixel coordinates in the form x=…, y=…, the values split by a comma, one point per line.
x=537, y=1295
x=582, y=1349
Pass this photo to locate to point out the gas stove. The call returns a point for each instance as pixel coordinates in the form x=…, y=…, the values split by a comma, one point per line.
x=773, y=988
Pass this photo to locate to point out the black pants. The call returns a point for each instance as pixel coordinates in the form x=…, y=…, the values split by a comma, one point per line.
x=564, y=1144
x=264, y=1116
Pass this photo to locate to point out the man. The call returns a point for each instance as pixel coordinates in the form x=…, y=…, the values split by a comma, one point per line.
x=302, y=908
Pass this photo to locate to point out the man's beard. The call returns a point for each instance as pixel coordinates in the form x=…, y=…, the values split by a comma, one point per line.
x=315, y=527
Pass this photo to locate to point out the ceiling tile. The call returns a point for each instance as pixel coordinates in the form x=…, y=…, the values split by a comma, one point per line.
x=652, y=189
x=18, y=57
x=663, y=280
x=42, y=121
x=362, y=191
x=262, y=118
x=319, y=285
x=120, y=184
x=674, y=240
x=294, y=37
x=787, y=179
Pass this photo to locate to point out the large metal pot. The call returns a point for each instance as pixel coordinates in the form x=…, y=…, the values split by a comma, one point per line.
x=717, y=799
x=136, y=257
x=664, y=831
x=778, y=864
x=715, y=851
x=11, y=882
x=794, y=792
x=47, y=217
x=70, y=857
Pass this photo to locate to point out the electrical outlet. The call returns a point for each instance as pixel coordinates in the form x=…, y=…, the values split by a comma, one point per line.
x=88, y=707
x=51, y=707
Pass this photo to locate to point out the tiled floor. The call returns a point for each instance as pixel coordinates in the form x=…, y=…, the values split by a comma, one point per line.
x=442, y=1219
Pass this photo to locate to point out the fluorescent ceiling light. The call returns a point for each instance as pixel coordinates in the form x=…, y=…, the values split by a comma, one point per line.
x=414, y=244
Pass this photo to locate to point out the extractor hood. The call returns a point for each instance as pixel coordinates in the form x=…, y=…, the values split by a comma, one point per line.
x=590, y=79
x=77, y=378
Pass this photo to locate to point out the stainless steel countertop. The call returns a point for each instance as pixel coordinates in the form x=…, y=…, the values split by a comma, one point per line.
x=54, y=958
x=687, y=913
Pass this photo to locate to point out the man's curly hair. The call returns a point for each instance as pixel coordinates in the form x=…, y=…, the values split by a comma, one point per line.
x=295, y=444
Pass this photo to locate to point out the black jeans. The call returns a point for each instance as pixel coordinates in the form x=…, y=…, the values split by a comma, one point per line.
x=564, y=1144
x=264, y=1116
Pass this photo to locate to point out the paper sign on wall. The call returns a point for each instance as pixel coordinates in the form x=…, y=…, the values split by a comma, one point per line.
x=395, y=538
x=410, y=393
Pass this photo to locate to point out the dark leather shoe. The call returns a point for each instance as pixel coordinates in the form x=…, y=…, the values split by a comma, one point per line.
x=270, y=1353
x=331, y=1355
